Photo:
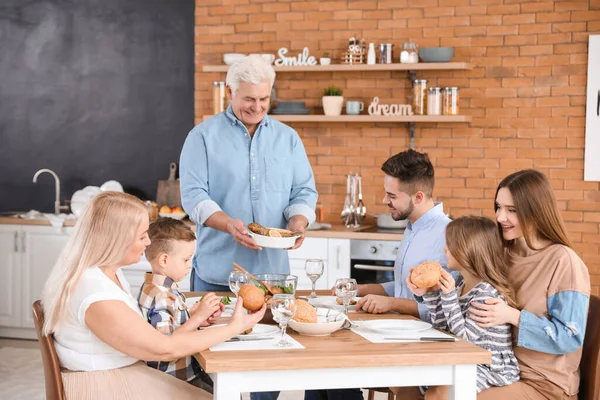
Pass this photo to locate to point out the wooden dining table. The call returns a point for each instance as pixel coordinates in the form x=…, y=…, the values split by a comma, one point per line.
x=345, y=359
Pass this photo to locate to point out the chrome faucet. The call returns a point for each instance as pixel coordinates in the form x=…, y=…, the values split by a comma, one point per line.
x=57, y=207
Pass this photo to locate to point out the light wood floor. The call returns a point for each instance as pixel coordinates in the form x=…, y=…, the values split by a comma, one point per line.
x=33, y=344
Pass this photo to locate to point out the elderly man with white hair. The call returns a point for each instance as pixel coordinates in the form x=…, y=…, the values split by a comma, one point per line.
x=238, y=167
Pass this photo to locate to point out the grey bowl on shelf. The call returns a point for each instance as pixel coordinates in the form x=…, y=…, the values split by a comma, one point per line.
x=436, y=54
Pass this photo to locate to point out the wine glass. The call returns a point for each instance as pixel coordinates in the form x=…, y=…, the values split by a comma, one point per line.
x=346, y=289
x=314, y=269
x=236, y=280
x=283, y=307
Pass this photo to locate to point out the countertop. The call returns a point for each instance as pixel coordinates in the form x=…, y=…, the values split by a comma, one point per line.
x=337, y=231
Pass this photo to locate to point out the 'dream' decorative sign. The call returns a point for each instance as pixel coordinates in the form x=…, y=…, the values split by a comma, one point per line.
x=302, y=59
x=389, y=109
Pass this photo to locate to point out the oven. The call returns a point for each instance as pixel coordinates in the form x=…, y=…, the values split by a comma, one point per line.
x=372, y=261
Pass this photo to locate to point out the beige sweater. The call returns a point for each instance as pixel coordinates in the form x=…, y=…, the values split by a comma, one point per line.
x=552, y=289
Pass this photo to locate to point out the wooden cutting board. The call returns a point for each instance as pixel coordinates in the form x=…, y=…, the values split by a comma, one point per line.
x=168, y=192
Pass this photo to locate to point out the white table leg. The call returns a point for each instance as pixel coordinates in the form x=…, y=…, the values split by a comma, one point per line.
x=224, y=388
x=464, y=383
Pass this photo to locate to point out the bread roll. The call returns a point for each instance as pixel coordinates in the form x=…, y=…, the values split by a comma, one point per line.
x=426, y=274
x=253, y=297
x=305, y=312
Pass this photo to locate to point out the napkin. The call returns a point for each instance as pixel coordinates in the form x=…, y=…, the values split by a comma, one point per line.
x=376, y=337
x=257, y=344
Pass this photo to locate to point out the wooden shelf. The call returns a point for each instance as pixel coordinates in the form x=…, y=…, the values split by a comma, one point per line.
x=368, y=118
x=359, y=67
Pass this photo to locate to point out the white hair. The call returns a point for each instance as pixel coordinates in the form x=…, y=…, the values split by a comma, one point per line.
x=252, y=69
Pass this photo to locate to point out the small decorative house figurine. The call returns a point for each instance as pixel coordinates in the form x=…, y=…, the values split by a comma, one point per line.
x=356, y=51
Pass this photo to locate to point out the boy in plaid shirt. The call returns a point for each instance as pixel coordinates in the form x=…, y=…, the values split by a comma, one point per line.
x=170, y=255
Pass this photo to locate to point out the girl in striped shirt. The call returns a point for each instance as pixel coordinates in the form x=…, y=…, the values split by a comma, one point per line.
x=473, y=248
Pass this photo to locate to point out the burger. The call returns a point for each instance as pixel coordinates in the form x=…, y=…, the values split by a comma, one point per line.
x=254, y=298
x=305, y=312
x=426, y=274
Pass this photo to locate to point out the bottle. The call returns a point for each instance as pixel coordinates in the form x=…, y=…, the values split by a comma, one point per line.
x=450, y=101
x=371, y=55
x=420, y=97
x=223, y=103
x=216, y=98
x=434, y=101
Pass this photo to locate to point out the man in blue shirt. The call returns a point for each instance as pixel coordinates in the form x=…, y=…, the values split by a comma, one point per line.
x=238, y=167
x=408, y=184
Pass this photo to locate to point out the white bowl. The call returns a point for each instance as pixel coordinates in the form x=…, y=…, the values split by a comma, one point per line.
x=324, y=326
x=173, y=215
x=269, y=58
x=273, y=242
x=111, y=186
x=232, y=58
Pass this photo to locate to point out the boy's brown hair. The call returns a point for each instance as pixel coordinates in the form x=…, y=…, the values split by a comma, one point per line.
x=165, y=231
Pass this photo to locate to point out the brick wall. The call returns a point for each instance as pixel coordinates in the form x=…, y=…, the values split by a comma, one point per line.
x=526, y=93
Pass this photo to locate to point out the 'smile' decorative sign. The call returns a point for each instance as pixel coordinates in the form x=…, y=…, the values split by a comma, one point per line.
x=302, y=59
x=386, y=109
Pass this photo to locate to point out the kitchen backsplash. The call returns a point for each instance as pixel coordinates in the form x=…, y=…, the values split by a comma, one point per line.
x=526, y=94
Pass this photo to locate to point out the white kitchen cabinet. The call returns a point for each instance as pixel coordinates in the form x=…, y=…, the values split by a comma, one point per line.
x=28, y=254
x=339, y=260
x=334, y=252
x=40, y=248
x=10, y=292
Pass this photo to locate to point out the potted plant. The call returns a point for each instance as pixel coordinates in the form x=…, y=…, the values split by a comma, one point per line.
x=325, y=60
x=333, y=101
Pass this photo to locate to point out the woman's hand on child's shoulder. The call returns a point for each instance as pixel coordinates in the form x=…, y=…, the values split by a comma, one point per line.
x=241, y=320
x=494, y=312
x=447, y=282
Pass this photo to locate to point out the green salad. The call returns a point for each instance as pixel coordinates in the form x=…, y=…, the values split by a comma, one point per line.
x=225, y=300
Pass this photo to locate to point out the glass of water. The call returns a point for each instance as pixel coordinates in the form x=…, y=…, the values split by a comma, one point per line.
x=283, y=307
x=346, y=289
x=314, y=269
x=236, y=280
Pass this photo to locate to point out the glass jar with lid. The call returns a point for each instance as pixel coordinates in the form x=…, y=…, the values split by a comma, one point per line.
x=409, y=53
x=450, y=101
x=434, y=101
x=419, y=97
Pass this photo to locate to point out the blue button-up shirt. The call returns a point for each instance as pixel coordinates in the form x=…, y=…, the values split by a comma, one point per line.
x=265, y=179
x=422, y=241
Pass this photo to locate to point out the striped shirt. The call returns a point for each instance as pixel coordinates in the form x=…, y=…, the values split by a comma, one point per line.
x=164, y=307
x=449, y=312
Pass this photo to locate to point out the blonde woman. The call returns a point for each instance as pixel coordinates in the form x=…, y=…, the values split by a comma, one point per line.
x=99, y=332
x=552, y=288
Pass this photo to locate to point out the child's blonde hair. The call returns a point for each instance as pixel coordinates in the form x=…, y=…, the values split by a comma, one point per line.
x=102, y=237
x=476, y=245
x=163, y=232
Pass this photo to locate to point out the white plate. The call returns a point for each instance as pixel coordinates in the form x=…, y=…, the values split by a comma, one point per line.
x=273, y=242
x=394, y=325
x=178, y=216
x=330, y=302
x=81, y=197
x=112, y=186
x=259, y=330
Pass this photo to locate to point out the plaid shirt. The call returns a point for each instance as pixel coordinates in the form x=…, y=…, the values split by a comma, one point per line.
x=164, y=307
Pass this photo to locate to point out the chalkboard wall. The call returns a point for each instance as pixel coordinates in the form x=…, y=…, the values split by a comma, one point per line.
x=94, y=90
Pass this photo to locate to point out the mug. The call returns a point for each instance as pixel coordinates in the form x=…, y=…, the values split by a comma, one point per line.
x=354, y=107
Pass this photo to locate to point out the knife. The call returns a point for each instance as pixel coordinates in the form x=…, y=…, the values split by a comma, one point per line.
x=237, y=339
x=423, y=339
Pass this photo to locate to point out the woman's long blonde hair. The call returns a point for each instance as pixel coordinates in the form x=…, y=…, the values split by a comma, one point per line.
x=536, y=208
x=102, y=236
x=475, y=244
